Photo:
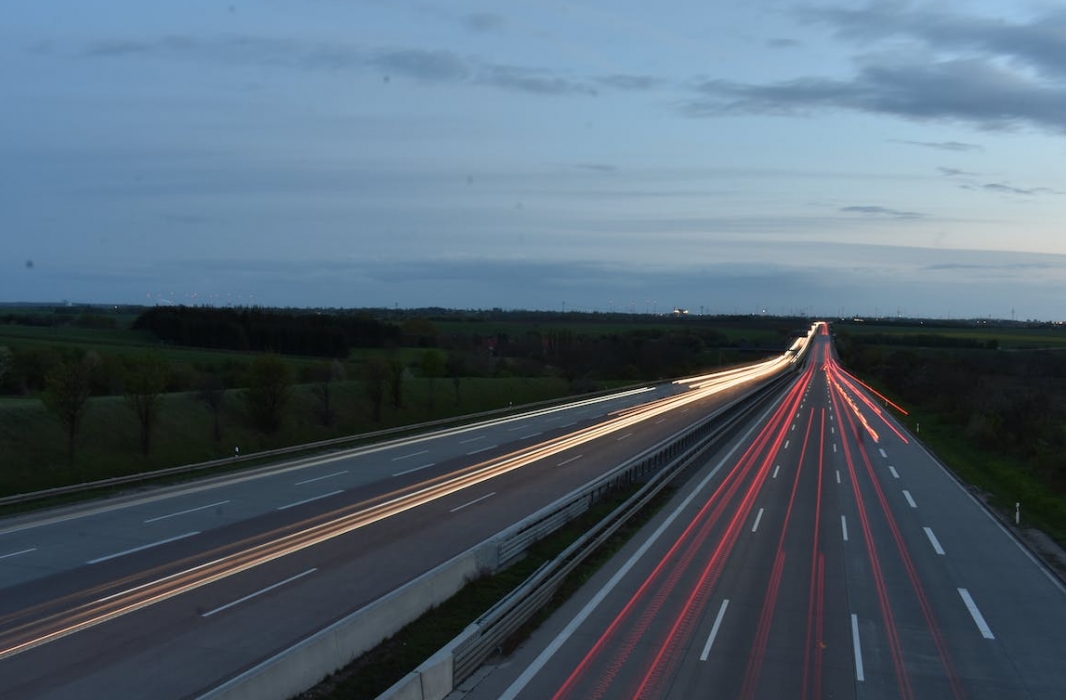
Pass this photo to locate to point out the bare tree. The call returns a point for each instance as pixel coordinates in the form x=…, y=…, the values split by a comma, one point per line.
x=212, y=392
x=432, y=366
x=66, y=395
x=144, y=383
x=375, y=376
x=269, y=392
x=325, y=374
x=397, y=371
x=6, y=362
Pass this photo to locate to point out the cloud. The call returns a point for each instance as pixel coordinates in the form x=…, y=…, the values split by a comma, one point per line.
x=629, y=82
x=427, y=66
x=881, y=211
x=1009, y=189
x=1039, y=43
x=974, y=91
x=922, y=65
x=532, y=80
x=953, y=172
x=943, y=145
x=483, y=22
x=439, y=66
x=597, y=167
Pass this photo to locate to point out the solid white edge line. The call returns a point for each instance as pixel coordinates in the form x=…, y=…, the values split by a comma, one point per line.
x=470, y=503
x=933, y=541
x=184, y=512
x=714, y=630
x=844, y=527
x=15, y=554
x=320, y=478
x=758, y=517
x=1041, y=566
x=308, y=500
x=978, y=618
x=910, y=500
x=859, y=674
x=248, y=597
x=142, y=547
x=895, y=474
x=549, y=651
x=408, y=471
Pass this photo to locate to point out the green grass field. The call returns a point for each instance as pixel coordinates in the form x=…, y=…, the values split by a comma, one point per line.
x=34, y=452
x=1009, y=337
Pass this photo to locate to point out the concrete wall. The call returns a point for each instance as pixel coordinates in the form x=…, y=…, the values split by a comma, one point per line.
x=305, y=664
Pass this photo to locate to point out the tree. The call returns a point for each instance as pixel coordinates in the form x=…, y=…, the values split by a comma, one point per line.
x=6, y=361
x=144, y=383
x=456, y=365
x=397, y=370
x=324, y=374
x=66, y=395
x=432, y=366
x=375, y=376
x=269, y=392
x=212, y=392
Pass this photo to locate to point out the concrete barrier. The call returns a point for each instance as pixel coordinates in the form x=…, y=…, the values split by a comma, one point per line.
x=302, y=666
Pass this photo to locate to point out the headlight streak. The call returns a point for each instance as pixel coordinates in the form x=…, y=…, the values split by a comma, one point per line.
x=56, y=625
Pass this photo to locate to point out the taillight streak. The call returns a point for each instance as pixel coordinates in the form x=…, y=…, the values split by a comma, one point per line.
x=887, y=614
x=660, y=584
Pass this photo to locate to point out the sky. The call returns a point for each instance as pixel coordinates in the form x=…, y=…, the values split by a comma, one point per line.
x=738, y=156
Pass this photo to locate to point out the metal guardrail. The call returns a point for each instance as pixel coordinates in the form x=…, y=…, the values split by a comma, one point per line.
x=658, y=465
x=282, y=451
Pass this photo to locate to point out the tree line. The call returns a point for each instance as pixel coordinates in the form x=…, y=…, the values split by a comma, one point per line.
x=257, y=329
x=1011, y=403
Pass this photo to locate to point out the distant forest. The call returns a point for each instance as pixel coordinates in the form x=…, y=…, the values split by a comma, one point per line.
x=267, y=330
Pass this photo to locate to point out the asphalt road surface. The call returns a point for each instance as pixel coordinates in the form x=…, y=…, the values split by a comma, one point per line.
x=825, y=555
x=169, y=592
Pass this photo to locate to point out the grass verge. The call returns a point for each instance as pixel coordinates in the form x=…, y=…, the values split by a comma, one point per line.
x=378, y=669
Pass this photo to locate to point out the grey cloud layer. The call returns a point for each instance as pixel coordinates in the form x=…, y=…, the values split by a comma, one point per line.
x=423, y=65
x=881, y=211
x=990, y=73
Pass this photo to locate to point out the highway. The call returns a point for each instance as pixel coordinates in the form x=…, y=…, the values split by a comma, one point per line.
x=824, y=554
x=168, y=592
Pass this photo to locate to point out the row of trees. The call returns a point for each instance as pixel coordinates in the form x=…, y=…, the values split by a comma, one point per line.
x=267, y=398
x=267, y=330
